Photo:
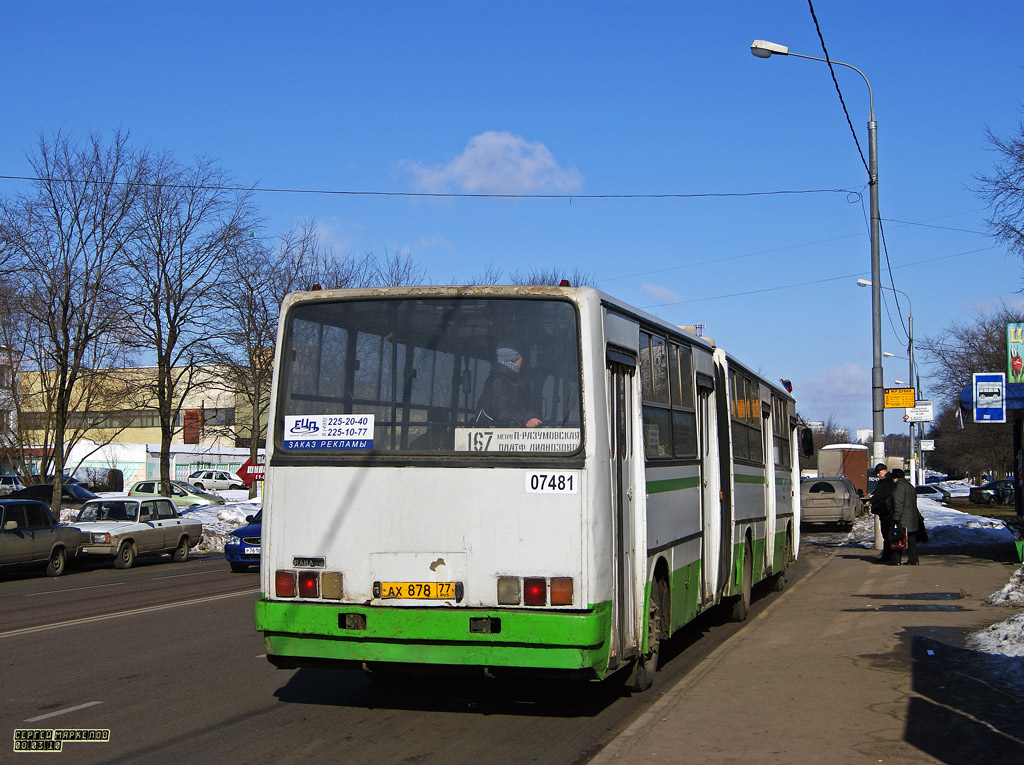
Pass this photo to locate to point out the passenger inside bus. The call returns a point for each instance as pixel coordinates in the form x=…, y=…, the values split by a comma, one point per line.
x=501, y=402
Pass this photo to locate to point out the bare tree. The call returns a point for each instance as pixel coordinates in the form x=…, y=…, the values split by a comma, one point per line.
x=67, y=235
x=553, y=275
x=394, y=269
x=189, y=223
x=1003, y=190
x=255, y=282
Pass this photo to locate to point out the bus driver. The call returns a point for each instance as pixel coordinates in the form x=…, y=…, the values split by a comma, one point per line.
x=502, y=401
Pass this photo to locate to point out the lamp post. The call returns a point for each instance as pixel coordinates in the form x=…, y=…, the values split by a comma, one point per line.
x=765, y=49
x=910, y=380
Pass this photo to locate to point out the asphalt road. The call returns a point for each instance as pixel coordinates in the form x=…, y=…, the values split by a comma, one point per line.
x=165, y=657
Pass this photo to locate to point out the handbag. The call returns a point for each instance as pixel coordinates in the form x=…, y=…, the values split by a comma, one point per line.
x=898, y=540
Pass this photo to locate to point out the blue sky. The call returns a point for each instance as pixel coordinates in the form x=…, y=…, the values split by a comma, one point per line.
x=583, y=98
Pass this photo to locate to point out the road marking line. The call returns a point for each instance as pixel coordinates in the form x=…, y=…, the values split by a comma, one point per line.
x=112, y=584
x=73, y=589
x=118, y=614
x=63, y=711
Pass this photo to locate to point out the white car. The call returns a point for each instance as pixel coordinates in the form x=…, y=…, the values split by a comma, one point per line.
x=127, y=528
x=931, y=491
x=215, y=480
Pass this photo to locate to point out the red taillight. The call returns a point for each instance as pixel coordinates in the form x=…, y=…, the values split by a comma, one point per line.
x=309, y=584
x=284, y=584
x=535, y=592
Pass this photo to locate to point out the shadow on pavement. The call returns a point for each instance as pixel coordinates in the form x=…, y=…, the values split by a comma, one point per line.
x=967, y=706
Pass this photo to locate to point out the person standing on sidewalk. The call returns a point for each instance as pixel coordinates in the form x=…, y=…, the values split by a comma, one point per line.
x=881, y=505
x=905, y=514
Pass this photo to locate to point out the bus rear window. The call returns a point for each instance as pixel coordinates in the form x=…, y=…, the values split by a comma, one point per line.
x=430, y=375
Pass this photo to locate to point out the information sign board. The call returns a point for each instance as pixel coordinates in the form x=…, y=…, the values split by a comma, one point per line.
x=899, y=398
x=990, y=397
x=921, y=412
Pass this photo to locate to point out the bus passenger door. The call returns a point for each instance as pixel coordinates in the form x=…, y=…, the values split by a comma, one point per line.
x=770, y=496
x=625, y=498
x=711, y=487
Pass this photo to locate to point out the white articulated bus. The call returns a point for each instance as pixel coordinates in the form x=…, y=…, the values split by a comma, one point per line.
x=512, y=479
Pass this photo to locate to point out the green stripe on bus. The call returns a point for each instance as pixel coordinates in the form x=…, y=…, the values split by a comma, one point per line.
x=672, y=484
x=543, y=639
x=740, y=478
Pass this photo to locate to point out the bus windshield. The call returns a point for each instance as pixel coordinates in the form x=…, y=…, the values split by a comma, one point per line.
x=430, y=375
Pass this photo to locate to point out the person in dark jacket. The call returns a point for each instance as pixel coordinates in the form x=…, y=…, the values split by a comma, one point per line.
x=905, y=515
x=501, y=403
x=881, y=505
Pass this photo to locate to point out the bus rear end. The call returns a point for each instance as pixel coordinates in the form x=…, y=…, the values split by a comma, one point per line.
x=426, y=499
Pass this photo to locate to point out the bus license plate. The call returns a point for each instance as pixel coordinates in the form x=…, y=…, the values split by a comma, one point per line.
x=418, y=590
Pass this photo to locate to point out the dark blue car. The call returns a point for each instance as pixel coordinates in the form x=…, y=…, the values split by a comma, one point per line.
x=242, y=548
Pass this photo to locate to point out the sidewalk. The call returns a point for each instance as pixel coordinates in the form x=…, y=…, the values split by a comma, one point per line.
x=856, y=663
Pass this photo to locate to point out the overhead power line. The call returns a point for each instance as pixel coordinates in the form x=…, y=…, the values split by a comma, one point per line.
x=456, y=195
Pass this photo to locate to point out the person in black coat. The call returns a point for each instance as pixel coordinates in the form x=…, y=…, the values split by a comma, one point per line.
x=881, y=505
x=501, y=402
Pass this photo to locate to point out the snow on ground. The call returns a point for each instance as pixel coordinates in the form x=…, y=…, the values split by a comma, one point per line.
x=947, y=528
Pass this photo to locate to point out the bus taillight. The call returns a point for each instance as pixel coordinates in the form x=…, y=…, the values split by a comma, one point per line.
x=330, y=585
x=535, y=592
x=309, y=584
x=561, y=591
x=284, y=584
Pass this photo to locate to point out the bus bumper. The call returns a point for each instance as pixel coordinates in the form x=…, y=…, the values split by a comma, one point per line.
x=301, y=634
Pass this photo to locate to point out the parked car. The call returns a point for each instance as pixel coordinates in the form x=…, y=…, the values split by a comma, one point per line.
x=215, y=480
x=30, y=537
x=128, y=528
x=182, y=494
x=9, y=483
x=992, y=493
x=242, y=547
x=832, y=499
x=932, y=491
x=72, y=496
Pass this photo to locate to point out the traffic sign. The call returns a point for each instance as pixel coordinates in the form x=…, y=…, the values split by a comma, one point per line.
x=250, y=472
x=920, y=412
x=927, y=444
x=990, y=397
x=899, y=398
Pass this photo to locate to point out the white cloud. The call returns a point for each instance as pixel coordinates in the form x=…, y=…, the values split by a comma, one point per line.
x=842, y=392
x=434, y=241
x=661, y=294
x=497, y=163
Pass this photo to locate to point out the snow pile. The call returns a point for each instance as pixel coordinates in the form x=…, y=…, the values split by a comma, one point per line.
x=956, y=488
x=1004, y=639
x=220, y=520
x=1012, y=594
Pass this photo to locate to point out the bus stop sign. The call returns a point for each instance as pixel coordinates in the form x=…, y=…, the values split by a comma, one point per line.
x=990, y=397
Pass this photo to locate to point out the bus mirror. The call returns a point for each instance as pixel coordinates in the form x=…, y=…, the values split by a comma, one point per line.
x=806, y=442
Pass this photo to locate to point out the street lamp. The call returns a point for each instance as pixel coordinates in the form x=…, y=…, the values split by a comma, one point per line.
x=910, y=354
x=765, y=49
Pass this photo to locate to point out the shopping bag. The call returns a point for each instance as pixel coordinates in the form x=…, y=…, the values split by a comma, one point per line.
x=898, y=539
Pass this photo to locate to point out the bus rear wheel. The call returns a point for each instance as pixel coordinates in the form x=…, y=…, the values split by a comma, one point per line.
x=647, y=664
x=741, y=603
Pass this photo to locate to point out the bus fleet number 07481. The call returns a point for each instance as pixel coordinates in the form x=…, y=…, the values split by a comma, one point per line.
x=552, y=483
